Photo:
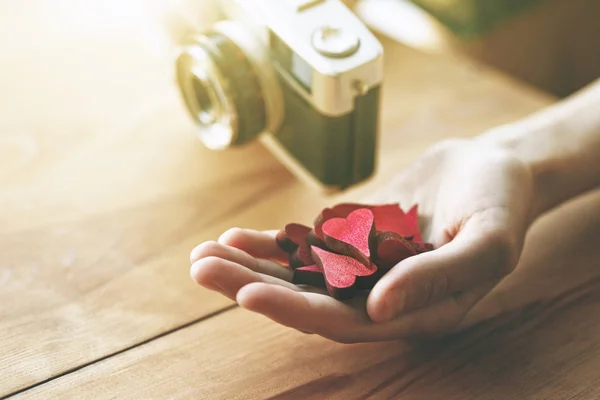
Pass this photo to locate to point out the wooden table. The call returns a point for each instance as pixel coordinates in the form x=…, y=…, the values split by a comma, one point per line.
x=104, y=191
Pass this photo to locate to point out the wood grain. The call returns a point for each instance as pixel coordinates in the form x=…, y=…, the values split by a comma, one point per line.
x=542, y=344
x=104, y=189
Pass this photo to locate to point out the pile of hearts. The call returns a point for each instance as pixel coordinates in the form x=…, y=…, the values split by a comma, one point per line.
x=351, y=246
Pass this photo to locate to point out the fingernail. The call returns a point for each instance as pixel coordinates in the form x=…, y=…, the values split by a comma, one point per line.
x=395, y=303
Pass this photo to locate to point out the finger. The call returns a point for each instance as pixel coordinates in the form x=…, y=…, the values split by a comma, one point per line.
x=487, y=307
x=308, y=312
x=228, y=277
x=478, y=254
x=442, y=317
x=214, y=249
x=348, y=323
x=256, y=243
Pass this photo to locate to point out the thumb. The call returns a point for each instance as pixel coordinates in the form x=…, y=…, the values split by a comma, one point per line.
x=481, y=252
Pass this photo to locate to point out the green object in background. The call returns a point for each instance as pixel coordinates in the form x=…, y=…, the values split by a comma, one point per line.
x=472, y=18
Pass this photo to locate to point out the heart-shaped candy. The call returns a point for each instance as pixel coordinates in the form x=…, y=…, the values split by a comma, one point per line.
x=340, y=272
x=352, y=236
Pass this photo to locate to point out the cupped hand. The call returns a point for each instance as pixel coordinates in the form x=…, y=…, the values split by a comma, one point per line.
x=475, y=200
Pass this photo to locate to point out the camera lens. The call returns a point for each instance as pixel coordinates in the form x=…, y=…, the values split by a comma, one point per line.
x=202, y=97
x=222, y=90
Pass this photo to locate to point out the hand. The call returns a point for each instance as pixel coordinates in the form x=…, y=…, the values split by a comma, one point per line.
x=475, y=200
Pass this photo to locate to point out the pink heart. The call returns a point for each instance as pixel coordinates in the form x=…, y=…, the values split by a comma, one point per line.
x=351, y=236
x=340, y=271
x=291, y=237
x=391, y=249
x=391, y=218
x=325, y=216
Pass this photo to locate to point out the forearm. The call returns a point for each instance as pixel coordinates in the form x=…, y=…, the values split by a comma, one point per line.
x=561, y=144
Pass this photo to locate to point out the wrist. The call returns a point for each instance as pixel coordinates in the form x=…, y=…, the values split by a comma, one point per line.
x=560, y=145
x=530, y=141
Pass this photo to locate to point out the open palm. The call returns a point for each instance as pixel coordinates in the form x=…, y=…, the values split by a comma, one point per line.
x=475, y=203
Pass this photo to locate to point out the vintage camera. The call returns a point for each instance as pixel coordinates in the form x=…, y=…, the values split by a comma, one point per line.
x=304, y=76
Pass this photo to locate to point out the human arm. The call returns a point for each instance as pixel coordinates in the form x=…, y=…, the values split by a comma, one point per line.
x=478, y=197
x=561, y=146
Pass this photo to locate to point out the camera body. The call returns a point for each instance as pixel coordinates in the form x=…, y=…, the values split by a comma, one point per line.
x=303, y=76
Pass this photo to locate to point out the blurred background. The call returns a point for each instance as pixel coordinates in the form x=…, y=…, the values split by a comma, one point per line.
x=58, y=46
x=551, y=44
x=101, y=66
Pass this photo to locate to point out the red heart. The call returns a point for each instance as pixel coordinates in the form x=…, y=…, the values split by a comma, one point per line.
x=391, y=249
x=324, y=216
x=301, y=257
x=370, y=238
x=309, y=275
x=351, y=236
x=412, y=222
x=388, y=217
x=294, y=239
x=340, y=272
x=391, y=218
x=292, y=236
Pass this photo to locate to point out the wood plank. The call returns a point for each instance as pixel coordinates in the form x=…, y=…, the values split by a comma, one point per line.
x=543, y=344
x=104, y=189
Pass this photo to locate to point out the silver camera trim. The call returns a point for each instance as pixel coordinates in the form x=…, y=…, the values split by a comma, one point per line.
x=219, y=124
x=259, y=57
x=336, y=81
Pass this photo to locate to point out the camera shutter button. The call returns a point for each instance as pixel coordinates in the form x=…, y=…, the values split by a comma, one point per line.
x=335, y=42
